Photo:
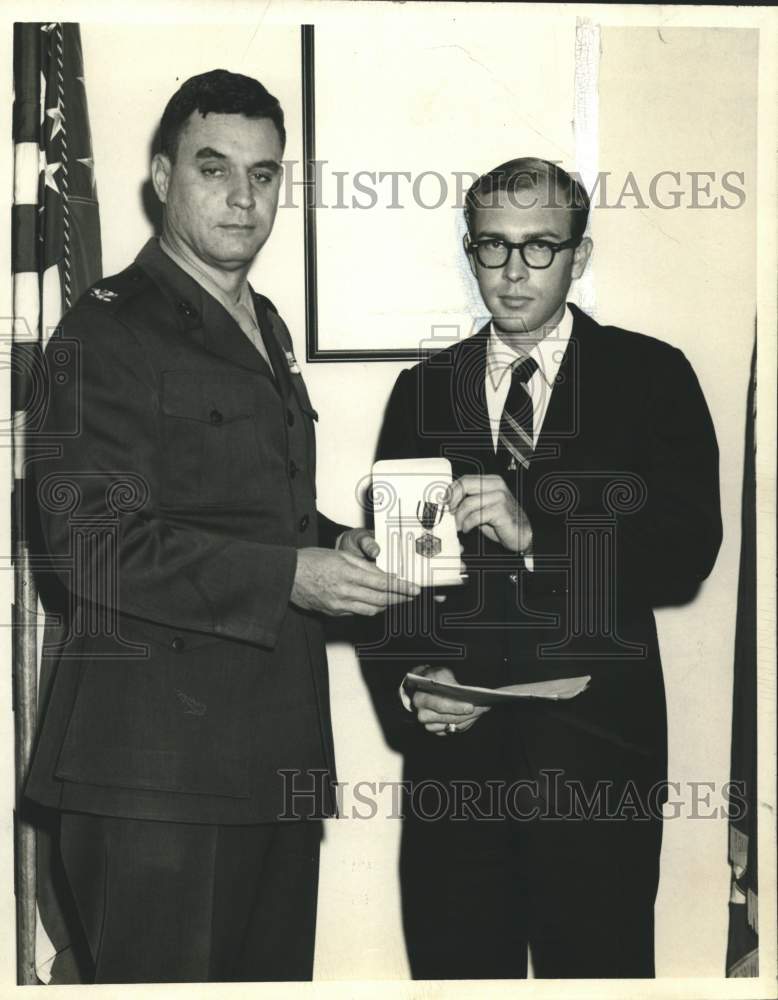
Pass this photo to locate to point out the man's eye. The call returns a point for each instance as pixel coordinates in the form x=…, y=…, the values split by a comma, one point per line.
x=493, y=244
x=540, y=245
x=211, y=171
x=262, y=177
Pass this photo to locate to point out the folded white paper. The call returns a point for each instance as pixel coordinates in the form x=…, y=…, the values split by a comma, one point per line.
x=413, y=525
x=554, y=690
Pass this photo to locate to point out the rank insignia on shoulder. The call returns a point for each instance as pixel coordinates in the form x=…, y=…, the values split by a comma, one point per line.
x=103, y=294
x=291, y=361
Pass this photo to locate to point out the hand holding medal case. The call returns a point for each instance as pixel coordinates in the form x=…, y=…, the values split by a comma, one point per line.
x=413, y=525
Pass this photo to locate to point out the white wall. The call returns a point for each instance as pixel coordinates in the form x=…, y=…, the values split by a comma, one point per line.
x=683, y=101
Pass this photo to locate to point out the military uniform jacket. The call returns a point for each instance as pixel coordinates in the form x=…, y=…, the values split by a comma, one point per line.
x=177, y=487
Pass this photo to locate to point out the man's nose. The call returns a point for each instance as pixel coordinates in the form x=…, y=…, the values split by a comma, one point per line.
x=515, y=269
x=241, y=193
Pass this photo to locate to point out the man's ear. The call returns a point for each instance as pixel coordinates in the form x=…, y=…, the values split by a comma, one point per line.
x=581, y=256
x=160, y=175
x=470, y=256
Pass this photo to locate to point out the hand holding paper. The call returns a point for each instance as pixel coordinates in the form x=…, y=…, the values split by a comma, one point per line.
x=437, y=712
x=559, y=689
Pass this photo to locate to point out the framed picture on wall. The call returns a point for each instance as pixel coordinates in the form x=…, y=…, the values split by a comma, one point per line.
x=390, y=148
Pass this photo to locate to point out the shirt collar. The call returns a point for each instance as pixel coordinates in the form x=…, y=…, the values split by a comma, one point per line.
x=548, y=352
x=206, y=282
x=245, y=301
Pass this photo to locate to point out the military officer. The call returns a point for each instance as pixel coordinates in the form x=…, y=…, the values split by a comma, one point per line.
x=181, y=516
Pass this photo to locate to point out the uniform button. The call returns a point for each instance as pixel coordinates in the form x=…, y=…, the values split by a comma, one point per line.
x=186, y=309
x=290, y=418
x=304, y=522
x=513, y=578
x=215, y=417
x=292, y=469
x=178, y=644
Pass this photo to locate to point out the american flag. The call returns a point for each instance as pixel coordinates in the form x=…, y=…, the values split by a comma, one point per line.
x=56, y=255
x=743, y=939
x=56, y=225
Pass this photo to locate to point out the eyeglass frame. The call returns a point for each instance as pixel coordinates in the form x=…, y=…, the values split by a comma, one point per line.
x=471, y=247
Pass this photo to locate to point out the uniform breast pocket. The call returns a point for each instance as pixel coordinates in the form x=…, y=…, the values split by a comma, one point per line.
x=210, y=440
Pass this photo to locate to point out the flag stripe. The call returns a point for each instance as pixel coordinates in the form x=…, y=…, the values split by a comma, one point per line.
x=24, y=238
x=26, y=382
x=27, y=306
x=26, y=171
x=27, y=77
x=51, y=303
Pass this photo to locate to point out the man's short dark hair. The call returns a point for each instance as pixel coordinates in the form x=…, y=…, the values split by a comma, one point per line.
x=222, y=93
x=557, y=190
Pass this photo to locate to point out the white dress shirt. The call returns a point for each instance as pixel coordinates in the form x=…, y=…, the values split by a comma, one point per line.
x=549, y=354
x=500, y=357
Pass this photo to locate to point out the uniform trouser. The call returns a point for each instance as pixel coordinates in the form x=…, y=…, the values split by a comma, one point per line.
x=178, y=902
x=578, y=893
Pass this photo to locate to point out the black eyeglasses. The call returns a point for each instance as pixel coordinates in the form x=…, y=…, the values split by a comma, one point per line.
x=538, y=254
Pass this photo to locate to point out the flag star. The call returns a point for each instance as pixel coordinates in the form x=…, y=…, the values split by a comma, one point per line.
x=89, y=162
x=48, y=170
x=57, y=115
x=51, y=169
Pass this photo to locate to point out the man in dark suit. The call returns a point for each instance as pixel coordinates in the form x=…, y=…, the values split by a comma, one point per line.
x=175, y=482
x=586, y=493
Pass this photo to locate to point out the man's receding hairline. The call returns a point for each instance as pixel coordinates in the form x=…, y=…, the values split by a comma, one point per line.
x=226, y=114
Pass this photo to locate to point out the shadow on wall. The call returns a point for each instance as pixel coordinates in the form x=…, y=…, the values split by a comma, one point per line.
x=152, y=207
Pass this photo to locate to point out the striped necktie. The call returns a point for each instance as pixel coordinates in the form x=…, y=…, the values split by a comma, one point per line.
x=516, y=422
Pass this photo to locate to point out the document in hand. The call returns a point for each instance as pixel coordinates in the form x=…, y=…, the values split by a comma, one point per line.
x=555, y=690
x=413, y=525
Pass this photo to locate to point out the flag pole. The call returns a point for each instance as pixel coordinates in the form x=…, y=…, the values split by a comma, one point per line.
x=26, y=333
x=25, y=712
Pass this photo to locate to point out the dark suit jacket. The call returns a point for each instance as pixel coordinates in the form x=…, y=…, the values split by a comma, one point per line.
x=623, y=498
x=178, y=485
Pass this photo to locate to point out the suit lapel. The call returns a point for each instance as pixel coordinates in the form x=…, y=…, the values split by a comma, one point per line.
x=467, y=404
x=561, y=420
x=468, y=389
